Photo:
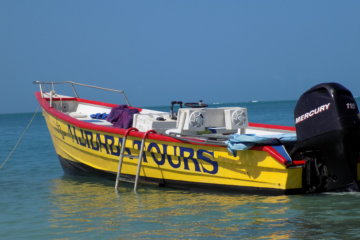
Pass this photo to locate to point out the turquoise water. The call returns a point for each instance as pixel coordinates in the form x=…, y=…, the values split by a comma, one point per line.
x=37, y=201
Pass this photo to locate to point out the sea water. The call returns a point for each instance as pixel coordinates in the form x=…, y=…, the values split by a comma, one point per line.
x=37, y=201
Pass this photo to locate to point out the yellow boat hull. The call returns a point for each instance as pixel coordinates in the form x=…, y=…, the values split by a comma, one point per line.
x=172, y=162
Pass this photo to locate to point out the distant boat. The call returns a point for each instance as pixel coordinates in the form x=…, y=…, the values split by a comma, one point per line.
x=254, y=101
x=213, y=148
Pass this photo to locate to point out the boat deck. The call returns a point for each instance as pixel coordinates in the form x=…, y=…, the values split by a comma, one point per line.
x=148, y=119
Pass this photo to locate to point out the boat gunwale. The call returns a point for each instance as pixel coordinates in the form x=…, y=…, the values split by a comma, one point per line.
x=44, y=102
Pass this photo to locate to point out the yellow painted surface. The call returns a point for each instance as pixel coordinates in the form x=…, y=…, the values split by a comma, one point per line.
x=172, y=161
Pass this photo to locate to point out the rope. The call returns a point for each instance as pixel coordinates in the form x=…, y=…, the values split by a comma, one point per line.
x=20, y=138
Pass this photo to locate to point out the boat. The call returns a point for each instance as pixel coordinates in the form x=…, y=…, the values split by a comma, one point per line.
x=194, y=146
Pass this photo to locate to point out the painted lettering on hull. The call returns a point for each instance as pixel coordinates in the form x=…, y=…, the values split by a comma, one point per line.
x=185, y=158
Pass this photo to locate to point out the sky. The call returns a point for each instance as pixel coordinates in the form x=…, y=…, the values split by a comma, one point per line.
x=164, y=50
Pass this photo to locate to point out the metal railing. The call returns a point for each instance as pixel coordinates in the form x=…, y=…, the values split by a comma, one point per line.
x=73, y=84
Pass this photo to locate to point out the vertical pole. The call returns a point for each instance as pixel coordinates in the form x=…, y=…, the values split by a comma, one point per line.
x=140, y=158
x=139, y=165
x=120, y=162
x=74, y=90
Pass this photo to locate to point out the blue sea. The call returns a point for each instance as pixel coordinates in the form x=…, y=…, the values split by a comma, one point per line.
x=37, y=201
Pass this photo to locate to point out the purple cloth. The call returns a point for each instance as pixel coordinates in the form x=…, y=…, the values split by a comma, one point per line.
x=122, y=116
x=116, y=113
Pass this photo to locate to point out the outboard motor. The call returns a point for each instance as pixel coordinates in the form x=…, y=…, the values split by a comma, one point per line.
x=328, y=138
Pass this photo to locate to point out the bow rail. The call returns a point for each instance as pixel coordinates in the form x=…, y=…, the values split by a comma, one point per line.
x=73, y=84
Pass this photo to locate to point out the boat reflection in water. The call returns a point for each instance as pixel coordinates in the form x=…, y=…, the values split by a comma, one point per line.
x=85, y=206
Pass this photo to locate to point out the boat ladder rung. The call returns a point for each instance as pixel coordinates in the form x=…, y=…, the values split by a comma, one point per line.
x=131, y=156
x=128, y=180
x=139, y=157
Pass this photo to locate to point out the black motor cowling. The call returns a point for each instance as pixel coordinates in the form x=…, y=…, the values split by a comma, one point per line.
x=328, y=137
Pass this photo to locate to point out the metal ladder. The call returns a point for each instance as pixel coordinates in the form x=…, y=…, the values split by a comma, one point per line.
x=139, y=157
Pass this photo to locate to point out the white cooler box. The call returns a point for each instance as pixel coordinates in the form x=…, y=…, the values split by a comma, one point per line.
x=149, y=121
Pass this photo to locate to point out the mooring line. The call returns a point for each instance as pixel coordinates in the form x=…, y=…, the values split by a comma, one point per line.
x=20, y=138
